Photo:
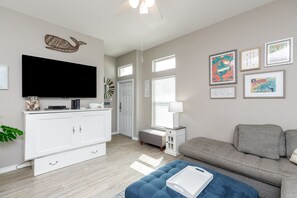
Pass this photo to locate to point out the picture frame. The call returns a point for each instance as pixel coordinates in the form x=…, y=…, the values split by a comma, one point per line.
x=279, y=52
x=223, y=92
x=264, y=85
x=223, y=68
x=250, y=59
x=3, y=77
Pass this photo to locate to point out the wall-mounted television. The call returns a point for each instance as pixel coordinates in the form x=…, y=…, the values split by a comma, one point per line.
x=57, y=79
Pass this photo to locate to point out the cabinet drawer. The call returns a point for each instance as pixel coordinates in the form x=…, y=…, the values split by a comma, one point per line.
x=53, y=162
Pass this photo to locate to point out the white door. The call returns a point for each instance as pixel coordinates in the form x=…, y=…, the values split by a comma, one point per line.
x=50, y=133
x=125, y=107
x=94, y=127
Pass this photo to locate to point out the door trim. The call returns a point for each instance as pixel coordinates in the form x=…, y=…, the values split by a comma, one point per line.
x=118, y=104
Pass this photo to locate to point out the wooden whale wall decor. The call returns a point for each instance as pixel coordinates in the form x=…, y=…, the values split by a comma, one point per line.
x=62, y=45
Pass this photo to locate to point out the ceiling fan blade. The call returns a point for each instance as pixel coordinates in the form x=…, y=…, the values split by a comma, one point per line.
x=123, y=8
x=156, y=11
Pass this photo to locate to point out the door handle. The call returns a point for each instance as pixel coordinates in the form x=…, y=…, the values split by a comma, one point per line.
x=120, y=107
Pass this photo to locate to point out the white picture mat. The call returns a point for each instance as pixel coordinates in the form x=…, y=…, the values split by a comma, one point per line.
x=280, y=92
x=282, y=57
x=225, y=92
x=3, y=76
x=250, y=59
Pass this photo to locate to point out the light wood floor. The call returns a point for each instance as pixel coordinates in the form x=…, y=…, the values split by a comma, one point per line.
x=100, y=178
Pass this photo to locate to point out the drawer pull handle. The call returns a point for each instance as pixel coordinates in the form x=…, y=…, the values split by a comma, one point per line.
x=53, y=164
x=94, y=152
x=73, y=130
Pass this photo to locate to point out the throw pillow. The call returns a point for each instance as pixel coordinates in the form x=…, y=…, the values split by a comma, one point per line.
x=260, y=140
x=294, y=157
x=235, y=136
x=291, y=141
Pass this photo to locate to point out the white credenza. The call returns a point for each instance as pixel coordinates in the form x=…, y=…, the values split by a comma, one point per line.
x=55, y=139
x=174, y=137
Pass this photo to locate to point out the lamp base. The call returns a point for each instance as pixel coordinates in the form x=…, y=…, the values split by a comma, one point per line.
x=175, y=120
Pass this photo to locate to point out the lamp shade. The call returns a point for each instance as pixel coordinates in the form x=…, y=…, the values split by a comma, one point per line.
x=176, y=107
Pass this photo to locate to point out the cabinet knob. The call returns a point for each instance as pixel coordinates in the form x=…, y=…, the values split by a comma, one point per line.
x=53, y=164
x=73, y=130
x=80, y=129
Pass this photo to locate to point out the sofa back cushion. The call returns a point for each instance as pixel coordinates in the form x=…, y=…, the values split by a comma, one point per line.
x=282, y=143
x=291, y=142
x=260, y=140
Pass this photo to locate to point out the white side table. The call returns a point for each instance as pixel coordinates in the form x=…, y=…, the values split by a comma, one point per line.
x=174, y=137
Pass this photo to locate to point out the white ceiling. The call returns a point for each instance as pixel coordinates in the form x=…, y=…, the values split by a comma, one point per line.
x=129, y=31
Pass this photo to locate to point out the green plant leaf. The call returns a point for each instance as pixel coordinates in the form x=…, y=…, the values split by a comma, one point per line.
x=9, y=133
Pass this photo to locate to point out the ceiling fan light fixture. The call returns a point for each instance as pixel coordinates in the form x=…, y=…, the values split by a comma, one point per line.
x=143, y=8
x=149, y=3
x=134, y=3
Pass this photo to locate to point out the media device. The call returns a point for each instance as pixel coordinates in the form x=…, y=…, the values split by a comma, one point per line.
x=52, y=78
x=75, y=104
x=56, y=107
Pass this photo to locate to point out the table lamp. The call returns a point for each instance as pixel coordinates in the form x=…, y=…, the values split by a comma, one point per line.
x=176, y=108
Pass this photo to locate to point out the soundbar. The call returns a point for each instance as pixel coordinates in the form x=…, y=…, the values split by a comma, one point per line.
x=56, y=107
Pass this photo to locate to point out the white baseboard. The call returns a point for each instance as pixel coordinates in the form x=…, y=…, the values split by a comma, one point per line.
x=135, y=138
x=115, y=133
x=15, y=167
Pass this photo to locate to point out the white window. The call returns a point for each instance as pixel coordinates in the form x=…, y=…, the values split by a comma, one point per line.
x=163, y=93
x=163, y=64
x=125, y=70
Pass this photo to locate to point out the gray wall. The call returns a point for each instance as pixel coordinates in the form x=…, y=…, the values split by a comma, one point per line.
x=21, y=34
x=110, y=71
x=217, y=118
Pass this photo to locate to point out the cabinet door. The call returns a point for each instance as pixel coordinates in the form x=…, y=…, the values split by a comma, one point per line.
x=47, y=134
x=94, y=127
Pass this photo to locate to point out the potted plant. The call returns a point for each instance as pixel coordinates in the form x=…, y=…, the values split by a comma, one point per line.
x=9, y=134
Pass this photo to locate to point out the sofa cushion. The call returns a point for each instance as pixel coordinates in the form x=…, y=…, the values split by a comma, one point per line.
x=260, y=140
x=291, y=142
x=282, y=143
x=225, y=155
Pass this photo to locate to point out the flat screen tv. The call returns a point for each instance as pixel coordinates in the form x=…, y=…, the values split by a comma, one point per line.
x=57, y=79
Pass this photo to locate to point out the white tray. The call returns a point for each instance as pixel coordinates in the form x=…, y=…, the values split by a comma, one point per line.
x=190, y=181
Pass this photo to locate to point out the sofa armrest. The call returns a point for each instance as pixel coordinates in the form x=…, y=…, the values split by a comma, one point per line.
x=289, y=187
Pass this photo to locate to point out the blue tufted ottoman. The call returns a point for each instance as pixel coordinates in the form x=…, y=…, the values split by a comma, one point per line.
x=154, y=185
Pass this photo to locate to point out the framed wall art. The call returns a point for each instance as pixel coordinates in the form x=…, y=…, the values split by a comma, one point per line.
x=279, y=52
x=250, y=59
x=3, y=76
x=222, y=68
x=223, y=93
x=264, y=85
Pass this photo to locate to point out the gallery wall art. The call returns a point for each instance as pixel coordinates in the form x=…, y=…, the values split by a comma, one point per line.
x=222, y=68
x=264, y=85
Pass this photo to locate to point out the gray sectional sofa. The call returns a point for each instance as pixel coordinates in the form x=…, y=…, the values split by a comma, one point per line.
x=258, y=156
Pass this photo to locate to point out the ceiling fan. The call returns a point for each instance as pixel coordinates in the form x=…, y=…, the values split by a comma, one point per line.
x=144, y=6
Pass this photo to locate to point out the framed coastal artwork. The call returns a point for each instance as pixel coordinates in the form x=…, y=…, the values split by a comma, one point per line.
x=223, y=93
x=3, y=76
x=279, y=52
x=222, y=68
x=250, y=59
x=264, y=85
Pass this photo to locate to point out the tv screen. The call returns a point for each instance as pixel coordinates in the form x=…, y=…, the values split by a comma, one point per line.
x=51, y=78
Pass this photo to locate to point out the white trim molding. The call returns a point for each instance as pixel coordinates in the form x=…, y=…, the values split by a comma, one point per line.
x=15, y=167
x=115, y=133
